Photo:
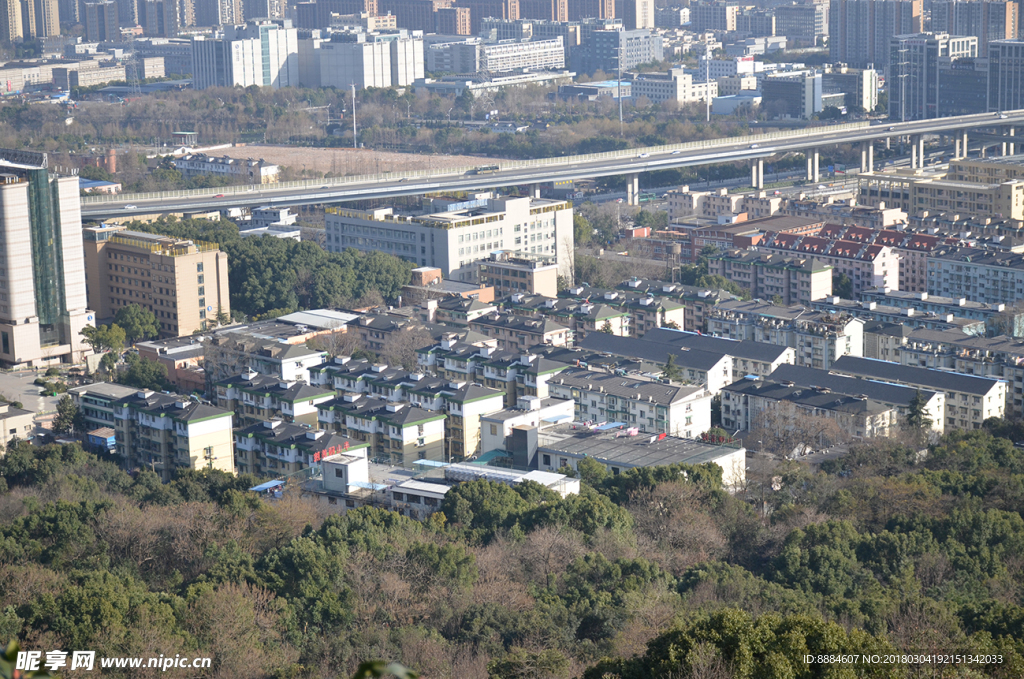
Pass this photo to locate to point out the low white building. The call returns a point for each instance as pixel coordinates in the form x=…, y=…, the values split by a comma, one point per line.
x=532, y=411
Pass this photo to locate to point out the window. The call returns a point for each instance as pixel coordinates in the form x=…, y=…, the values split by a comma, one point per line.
x=546, y=459
x=494, y=430
x=332, y=500
x=339, y=473
x=398, y=497
x=199, y=267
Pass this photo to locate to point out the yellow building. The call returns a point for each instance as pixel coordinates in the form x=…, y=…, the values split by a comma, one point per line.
x=164, y=432
x=183, y=282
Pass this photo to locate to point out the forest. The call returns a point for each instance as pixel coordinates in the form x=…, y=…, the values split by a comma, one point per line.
x=653, y=572
x=269, y=276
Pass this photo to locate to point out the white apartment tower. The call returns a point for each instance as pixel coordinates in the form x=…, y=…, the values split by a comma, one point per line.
x=42, y=267
x=262, y=53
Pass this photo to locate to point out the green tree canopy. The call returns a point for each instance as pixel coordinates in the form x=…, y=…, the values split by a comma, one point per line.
x=138, y=323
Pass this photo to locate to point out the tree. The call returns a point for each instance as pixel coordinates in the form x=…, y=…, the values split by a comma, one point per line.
x=69, y=418
x=671, y=371
x=138, y=323
x=104, y=337
x=582, y=231
x=917, y=418
x=607, y=327
x=143, y=373
x=842, y=285
x=591, y=471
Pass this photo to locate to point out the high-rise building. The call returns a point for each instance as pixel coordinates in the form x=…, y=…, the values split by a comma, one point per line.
x=756, y=22
x=414, y=15
x=217, y=12
x=101, y=21
x=591, y=9
x=635, y=13
x=10, y=21
x=792, y=95
x=605, y=50
x=547, y=10
x=1005, y=75
x=263, y=53
x=184, y=283
x=42, y=271
x=859, y=85
x=803, y=25
x=915, y=66
x=713, y=16
x=160, y=18
x=453, y=21
x=364, y=60
x=860, y=30
x=28, y=19
x=483, y=9
x=128, y=12
x=986, y=20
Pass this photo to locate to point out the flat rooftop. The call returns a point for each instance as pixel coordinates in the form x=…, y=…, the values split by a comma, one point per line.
x=615, y=448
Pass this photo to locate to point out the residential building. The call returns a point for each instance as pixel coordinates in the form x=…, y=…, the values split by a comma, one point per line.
x=911, y=248
x=970, y=399
x=43, y=305
x=397, y=432
x=276, y=447
x=183, y=282
x=650, y=406
x=383, y=59
x=609, y=50
x=866, y=265
x=531, y=55
x=1005, y=75
x=860, y=30
x=859, y=85
x=101, y=21
x=997, y=317
x=859, y=411
x=987, y=21
x=259, y=398
x=183, y=359
x=792, y=95
x=458, y=237
x=11, y=29
x=510, y=274
x=262, y=53
x=676, y=85
x=165, y=432
x=236, y=350
x=755, y=22
x=985, y=277
x=96, y=402
x=481, y=9
x=465, y=405
x=818, y=338
x=40, y=18
x=878, y=315
x=803, y=25
x=15, y=424
x=915, y=66
x=796, y=280
x=530, y=411
x=635, y=13
x=713, y=16
x=249, y=171
x=519, y=333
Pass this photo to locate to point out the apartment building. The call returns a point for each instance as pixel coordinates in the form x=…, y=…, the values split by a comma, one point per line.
x=875, y=315
x=860, y=30
x=165, y=432
x=917, y=65
x=803, y=25
x=364, y=59
x=519, y=333
x=458, y=237
x=970, y=399
x=713, y=16
x=866, y=265
x=796, y=280
x=43, y=303
x=496, y=428
x=1005, y=70
x=232, y=352
x=861, y=411
x=183, y=359
x=859, y=85
x=997, y=317
x=651, y=407
x=817, y=338
x=911, y=248
x=510, y=274
x=978, y=276
x=464, y=407
x=988, y=21
x=96, y=402
x=183, y=282
x=249, y=171
x=397, y=432
x=258, y=398
x=275, y=447
x=676, y=85
x=263, y=52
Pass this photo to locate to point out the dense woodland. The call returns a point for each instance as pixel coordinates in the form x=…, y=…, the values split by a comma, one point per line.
x=655, y=572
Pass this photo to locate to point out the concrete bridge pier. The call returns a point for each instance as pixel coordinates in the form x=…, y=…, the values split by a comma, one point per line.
x=867, y=156
x=812, y=165
x=534, y=190
x=633, y=189
x=757, y=174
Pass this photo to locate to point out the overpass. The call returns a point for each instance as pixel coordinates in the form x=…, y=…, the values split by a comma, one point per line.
x=997, y=129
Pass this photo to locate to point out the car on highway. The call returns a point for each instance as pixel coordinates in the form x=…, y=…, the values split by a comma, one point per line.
x=129, y=207
x=325, y=186
x=403, y=179
x=644, y=155
x=676, y=153
x=219, y=195
x=891, y=129
x=1002, y=116
x=754, y=146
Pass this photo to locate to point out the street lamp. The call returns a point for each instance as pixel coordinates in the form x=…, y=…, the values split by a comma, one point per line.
x=450, y=115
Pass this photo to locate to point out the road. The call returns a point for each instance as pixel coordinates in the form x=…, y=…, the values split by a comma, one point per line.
x=636, y=161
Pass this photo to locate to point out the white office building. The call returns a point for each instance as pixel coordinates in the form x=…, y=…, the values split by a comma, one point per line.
x=391, y=59
x=262, y=53
x=456, y=236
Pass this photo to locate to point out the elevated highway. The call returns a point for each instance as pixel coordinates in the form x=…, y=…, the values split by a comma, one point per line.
x=995, y=129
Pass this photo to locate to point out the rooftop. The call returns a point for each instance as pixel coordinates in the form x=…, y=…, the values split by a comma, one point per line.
x=940, y=380
x=616, y=449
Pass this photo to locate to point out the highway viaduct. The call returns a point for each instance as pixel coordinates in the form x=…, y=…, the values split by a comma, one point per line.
x=991, y=129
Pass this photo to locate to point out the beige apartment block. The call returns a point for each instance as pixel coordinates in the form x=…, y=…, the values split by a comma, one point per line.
x=183, y=282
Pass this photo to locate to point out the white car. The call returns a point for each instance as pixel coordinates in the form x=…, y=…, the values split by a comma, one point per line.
x=754, y=146
x=129, y=207
x=1002, y=116
x=644, y=155
x=676, y=153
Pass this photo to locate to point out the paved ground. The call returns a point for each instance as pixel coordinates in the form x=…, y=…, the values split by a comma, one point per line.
x=17, y=386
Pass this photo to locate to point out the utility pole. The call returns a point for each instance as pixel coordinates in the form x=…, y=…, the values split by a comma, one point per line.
x=355, y=137
x=707, y=75
x=618, y=83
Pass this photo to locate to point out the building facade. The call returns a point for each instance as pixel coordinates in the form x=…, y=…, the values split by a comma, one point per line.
x=262, y=53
